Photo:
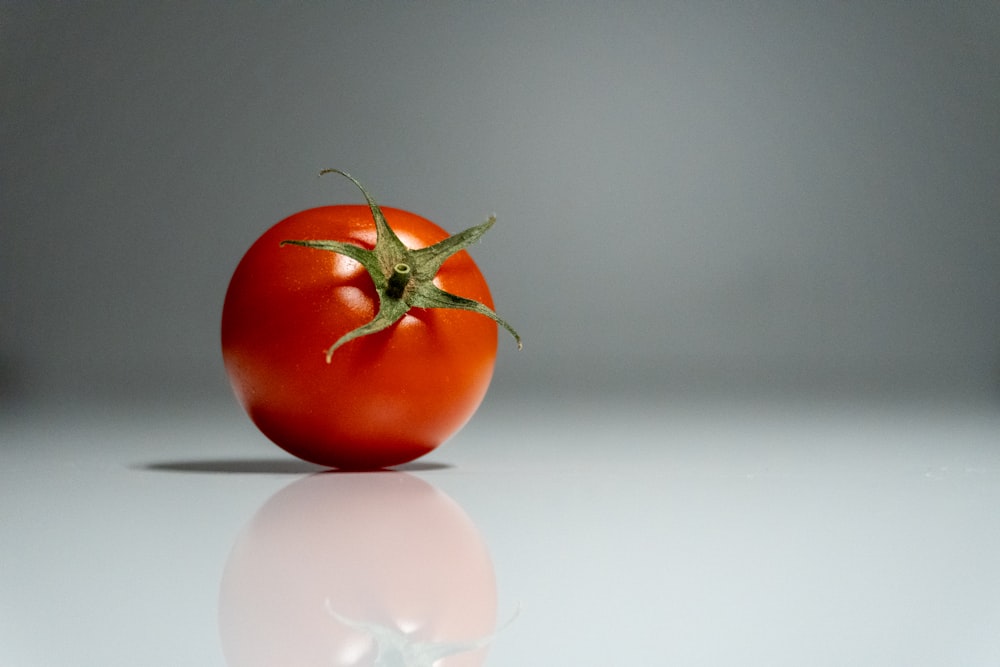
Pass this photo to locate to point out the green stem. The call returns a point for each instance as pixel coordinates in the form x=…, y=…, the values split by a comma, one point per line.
x=404, y=277
x=398, y=281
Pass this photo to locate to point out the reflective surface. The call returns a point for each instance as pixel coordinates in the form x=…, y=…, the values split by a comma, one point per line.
x=589, y=533
x=357, y=569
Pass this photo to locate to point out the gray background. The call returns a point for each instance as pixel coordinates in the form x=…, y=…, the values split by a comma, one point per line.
x=768, y=196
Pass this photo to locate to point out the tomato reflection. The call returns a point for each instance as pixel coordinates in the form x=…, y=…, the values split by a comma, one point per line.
x=376, y=569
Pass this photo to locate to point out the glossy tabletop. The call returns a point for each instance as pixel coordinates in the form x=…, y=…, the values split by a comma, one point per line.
x=595, y=531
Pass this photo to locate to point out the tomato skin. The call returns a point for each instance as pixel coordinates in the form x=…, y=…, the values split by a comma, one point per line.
x=384, y=399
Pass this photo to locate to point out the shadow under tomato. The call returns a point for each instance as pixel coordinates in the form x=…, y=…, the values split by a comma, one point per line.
x=268, y=466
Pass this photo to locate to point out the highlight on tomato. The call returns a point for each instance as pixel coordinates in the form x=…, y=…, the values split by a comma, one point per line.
x=359, y=336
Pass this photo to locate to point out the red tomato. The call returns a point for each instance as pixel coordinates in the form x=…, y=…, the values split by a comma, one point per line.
x=383, y=399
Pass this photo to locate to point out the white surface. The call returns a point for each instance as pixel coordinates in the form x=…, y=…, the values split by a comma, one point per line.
x=627, y=533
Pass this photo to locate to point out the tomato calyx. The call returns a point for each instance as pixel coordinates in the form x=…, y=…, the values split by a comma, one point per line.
x=403, y=277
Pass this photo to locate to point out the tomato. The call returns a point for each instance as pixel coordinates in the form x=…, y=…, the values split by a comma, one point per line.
x=412, y=353
x=367, y=569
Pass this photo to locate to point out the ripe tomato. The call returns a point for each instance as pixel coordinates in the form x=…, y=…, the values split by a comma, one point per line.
x=392, y=388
